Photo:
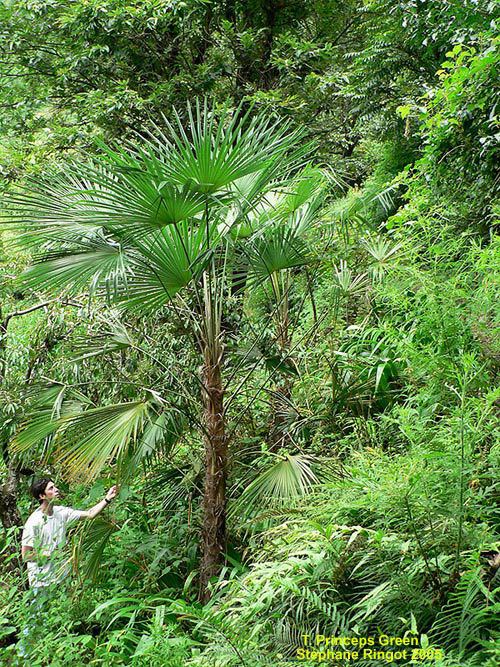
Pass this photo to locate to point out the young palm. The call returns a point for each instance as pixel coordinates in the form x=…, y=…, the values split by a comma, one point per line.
x=275, y=244
x=150, y=225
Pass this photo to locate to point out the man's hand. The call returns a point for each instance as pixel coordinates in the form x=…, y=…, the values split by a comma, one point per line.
x=97, y=509
x=29, y=554
x=44, y=558
x=111, y=493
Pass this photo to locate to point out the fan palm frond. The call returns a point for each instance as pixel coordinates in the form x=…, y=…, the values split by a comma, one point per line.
x=215, y=151
x=102, y=264
x=164, y=264
x=48, y=405
x=289, y=478
x=279, y=248
x=49, y=208
x=115, y=338
x=347, y=282
x=91, y=540
x=88, y=439
x=160, y=436
x=134, y=192
x=99, y=436
x=383, y=252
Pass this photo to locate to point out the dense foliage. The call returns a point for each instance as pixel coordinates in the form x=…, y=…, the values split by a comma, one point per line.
x=250, y=268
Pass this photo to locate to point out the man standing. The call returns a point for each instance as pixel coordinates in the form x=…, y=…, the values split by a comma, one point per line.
x=43, y=537
x=45, y=532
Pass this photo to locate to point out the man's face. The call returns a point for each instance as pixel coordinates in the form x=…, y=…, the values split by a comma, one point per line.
x=51, y=492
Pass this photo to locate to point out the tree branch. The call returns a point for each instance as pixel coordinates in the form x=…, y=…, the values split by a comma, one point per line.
x=19, y=313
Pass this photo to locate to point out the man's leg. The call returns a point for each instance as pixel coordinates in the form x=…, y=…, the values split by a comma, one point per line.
x=39, y=596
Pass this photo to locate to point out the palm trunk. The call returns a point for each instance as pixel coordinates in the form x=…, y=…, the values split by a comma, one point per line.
x=276, y=437
x=214, y=526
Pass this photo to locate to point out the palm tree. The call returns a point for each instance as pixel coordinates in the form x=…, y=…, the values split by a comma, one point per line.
x=151, y=225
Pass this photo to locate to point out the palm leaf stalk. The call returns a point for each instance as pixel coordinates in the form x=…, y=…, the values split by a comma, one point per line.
x=152, y=225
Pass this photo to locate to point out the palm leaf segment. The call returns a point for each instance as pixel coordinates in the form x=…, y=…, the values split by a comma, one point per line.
x=135, y=222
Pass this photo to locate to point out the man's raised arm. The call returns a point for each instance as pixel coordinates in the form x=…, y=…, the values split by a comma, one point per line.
x=94, y=511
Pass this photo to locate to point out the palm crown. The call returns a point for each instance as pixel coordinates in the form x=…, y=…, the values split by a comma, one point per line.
x=139, y=222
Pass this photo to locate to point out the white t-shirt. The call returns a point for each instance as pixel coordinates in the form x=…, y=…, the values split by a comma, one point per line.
x=48, y=533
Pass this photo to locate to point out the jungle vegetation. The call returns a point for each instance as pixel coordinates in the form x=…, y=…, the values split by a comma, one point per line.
x=249, y=271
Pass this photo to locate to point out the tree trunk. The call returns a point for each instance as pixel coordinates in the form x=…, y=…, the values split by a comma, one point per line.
x=11, y=517
x=271, y=10
x=9, y=511
x=214, y=526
